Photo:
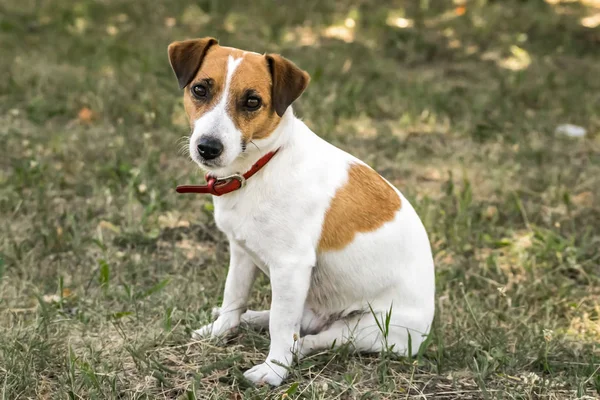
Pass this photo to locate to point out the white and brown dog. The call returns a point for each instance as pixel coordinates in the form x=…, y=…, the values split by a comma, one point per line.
x=342, y=247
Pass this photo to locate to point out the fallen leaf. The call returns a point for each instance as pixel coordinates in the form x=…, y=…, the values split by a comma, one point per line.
x=86, y=115
x=51, y=298
x=172, y=220
x=431, y=174
x=583, y=199
x=170, y=22
x=491, y=212
x=112, y=30
x=107, y=225
x=523, y=240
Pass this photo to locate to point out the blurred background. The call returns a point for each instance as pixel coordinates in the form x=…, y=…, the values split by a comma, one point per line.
x=484, y=113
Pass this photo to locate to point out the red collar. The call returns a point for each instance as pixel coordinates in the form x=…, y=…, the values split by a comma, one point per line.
x=227, y=184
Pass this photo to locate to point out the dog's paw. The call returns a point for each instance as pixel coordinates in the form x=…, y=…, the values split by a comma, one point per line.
x=266, y=372
x=221, y=327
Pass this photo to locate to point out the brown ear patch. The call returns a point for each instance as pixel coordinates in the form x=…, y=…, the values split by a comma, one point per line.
x=186, y=58
x=289, y=82
x=363, y=204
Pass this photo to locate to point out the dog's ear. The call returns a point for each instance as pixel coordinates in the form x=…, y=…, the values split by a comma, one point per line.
x=186, y=58
x=289, y=82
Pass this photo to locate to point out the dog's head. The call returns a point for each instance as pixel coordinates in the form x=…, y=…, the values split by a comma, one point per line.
x=232, y=97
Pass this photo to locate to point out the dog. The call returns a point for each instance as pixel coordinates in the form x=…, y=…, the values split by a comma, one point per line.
x=348, y=258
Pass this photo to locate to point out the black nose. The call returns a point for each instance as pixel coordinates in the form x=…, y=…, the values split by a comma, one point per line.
x=210, y=148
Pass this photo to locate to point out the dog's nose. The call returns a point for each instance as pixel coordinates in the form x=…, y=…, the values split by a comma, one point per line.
x=210, y=148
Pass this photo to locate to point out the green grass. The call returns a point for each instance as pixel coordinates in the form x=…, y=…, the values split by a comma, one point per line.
x=104, y=270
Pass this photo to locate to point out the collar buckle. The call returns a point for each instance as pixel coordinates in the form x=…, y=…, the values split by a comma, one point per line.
x=238, y=177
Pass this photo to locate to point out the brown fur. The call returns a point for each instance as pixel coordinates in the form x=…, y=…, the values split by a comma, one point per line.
x=363, y=204
x=277, y=81
x=289, y=82
x=186, y=58
x=213, y=67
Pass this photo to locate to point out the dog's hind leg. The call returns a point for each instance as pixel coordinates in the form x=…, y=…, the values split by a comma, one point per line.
x=311, y=323
x=368, y=335
x=258, y=319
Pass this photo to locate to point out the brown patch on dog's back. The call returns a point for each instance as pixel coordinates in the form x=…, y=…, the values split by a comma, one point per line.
x=363, y=204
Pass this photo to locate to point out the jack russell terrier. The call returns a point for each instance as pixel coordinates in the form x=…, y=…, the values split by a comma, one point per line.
x=343, y=248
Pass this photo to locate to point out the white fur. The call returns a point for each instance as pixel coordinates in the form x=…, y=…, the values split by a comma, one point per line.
x=217, y=123
x=274, y=224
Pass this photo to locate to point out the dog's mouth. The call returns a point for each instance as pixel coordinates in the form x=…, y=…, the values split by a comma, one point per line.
x=209, y=163
x=204, y=163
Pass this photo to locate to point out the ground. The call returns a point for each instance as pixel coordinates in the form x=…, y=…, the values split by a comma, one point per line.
x=105, y=270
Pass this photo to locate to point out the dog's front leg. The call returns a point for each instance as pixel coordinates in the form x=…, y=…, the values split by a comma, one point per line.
x=240, y=278
x=289, y=287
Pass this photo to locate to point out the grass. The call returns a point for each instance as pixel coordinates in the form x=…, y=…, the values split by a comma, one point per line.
x=104, y=270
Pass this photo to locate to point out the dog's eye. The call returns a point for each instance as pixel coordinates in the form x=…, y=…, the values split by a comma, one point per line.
x=199, y=91
x=253, y=103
